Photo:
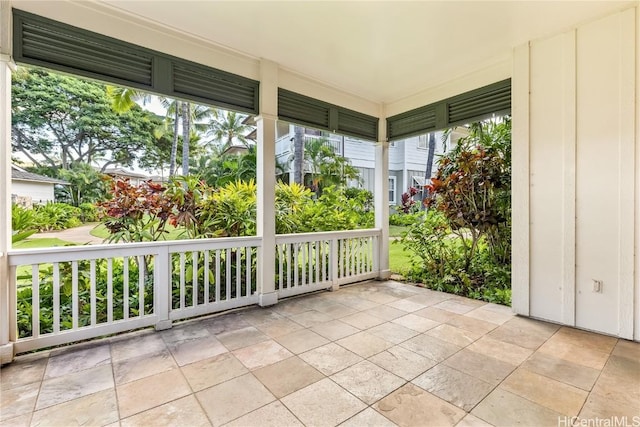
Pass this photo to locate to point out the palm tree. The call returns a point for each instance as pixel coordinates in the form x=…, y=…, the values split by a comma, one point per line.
x=228, y=127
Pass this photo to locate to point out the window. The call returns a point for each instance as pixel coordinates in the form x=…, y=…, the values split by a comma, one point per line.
x=392, y=190
x=423, y=142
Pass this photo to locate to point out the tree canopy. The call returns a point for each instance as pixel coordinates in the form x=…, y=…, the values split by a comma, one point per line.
x=58, y=120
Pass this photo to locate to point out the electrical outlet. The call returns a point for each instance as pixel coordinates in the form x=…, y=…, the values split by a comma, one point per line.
x=597, y=286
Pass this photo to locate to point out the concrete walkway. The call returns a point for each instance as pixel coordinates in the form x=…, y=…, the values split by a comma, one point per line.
x=80, y=235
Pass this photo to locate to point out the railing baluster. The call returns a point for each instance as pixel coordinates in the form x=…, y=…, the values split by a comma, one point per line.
x=74, y=295
x=109, y=290
x=227, y=264
x=194, y=277
x=92, y=291
x=125, y=288
x=141, y=277
x=288, y=264
x=295, y=248
x=182, y=280
x=35, y=300
x=317, y=266
x=280, y=266
x=238, y=272
x=247, y=279
x=206, y=276
x=304, y=247
x=217, y=284
x=56, y=297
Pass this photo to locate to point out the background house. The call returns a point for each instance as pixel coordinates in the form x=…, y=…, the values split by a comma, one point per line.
x=409, y=158
x=28, y=188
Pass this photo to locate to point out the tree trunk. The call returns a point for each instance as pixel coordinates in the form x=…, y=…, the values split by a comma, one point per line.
x=298, y=155
x=186, y=136
x=429, y=169
x=174, y=145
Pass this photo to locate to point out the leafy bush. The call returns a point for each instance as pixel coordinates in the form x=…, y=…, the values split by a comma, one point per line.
x=464, y=241
x=57, y=216
x=88, y=212
x=24, y=223
x=404, y=220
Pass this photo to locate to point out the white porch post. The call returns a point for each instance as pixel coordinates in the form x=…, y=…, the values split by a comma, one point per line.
x=381, y=199
x=266, y=176
x=6, y=66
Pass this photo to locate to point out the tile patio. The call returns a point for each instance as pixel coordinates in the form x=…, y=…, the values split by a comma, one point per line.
x=372, y=354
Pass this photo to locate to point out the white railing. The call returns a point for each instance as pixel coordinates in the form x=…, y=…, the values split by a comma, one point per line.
x=73, y=293
x=65, y=294
x=312, y=261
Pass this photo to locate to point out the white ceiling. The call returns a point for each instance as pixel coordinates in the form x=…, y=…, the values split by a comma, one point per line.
x=382, y=51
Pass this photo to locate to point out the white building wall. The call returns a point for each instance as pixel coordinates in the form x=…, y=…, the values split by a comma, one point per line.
x=39, y=192
x=575, y=187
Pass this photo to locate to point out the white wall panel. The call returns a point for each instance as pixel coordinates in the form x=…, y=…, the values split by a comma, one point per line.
x=575, y=131
x=546, y=168
x=605, y=171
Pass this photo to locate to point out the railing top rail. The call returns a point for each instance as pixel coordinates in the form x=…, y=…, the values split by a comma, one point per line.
x=327, y=235
x=86, y=252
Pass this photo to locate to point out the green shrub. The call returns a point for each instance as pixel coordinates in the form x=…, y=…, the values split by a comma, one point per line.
x=404, y=219
x=57, y=216
x=88, y=212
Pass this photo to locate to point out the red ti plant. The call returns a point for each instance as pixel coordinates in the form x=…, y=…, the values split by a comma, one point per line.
x=407, y=200
x=136, y=213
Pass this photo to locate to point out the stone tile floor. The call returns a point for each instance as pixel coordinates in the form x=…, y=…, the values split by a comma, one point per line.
x=374, y=354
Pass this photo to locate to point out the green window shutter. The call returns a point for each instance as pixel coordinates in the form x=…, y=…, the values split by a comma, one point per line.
x=302, y=110
x=468, y=107
x=312, y=112
x=412, y=122
x=204, y=84
x=480, y=103
x=43, y=42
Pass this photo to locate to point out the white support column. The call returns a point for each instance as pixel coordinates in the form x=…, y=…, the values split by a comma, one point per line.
x=6, y=67
x=266, y=177
x=381, y=199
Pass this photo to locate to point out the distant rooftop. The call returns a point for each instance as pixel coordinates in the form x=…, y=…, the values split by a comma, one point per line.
x=19, y=174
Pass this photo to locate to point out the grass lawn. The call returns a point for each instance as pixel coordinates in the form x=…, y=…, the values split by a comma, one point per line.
x=396, y=230
x=47, y=242
x=173, y=233
x=400, y=260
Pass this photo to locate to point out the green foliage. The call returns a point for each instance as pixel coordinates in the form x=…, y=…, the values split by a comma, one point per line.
x=333, y=210
x=23, y=219
x=404, y=219
x=464, y=242
x=86, y=185
x=145, y=212
x=63, y=120
x=290, y=201
x=327, y=168
x=57, y=216
x=231, y=210
x=219, y=170
x=88, y=212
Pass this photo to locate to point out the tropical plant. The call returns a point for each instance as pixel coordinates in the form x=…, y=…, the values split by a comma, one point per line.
x=24, y=223
x=85, y=184
x=472, y=187
x=227, y=128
